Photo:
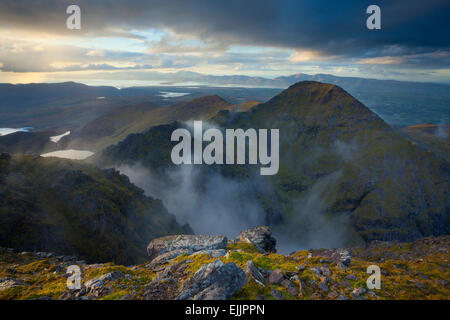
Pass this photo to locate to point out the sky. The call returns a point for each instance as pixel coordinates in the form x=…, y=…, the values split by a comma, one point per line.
x=133, y=39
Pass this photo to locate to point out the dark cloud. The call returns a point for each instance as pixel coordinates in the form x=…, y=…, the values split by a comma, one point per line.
x=330, y=27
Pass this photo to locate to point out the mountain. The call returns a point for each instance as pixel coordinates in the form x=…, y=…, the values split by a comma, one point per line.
x=345, y=175
x=400, y=103
x=49, y=204
x=435, y=138
x=115, y=126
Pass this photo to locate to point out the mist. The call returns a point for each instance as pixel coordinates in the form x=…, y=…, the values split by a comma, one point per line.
x=210, y=204
x=213, y=204
x=310, y=226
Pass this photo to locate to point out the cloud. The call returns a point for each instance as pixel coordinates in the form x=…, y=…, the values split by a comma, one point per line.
x=202, y=35
x=381, y=60
x=333, y=28
x=220, y=206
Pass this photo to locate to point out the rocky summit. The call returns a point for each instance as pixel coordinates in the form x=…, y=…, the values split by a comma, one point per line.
x=260, y=237
x=415, y=270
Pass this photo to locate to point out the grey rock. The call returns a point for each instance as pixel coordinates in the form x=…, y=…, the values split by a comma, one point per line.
x=316, y=271
x=325, y=271
x=252, y=272
x=213, y=253
x=6, y=283
x=323, y=286
x=165, y=257
x=190, y=243
x=358, y=291
x=343, y=256
x=301, y=268
x=291, y=287
x=277, y=294
x=213, y=281
x=99, y=283
x=261, y=237
x=275, y=277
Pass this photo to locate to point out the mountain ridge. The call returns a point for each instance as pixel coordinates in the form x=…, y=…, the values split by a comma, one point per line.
x=338, y=160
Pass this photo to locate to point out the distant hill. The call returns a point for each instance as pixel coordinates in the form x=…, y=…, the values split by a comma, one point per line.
x=397, y=102
x=49, y=204
x=115, y=126
x=435, y=138
x=341, y=167
x=52, y=106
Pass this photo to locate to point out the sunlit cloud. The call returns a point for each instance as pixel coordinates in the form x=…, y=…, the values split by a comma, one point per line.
x=273, y=38
x=382, y=60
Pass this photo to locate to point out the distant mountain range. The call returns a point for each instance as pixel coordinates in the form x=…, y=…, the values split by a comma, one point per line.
x=71, y=105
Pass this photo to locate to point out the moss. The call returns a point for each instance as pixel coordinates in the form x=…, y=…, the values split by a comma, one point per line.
x=116, y=295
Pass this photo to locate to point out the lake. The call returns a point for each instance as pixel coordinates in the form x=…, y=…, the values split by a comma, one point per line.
x=69, y=154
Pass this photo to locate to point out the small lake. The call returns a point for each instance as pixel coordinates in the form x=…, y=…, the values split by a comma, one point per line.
x=173, y=94
x=5, y=131
x=55, y=139
x=69, y=154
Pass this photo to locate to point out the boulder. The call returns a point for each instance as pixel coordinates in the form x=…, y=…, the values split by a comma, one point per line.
x=343, y=256
x=260, y=237
x=98, y=284
x=325, y=271
x=252, y=272
x=291, y=287
x=213, y=253
x=6, y=283
x=188, y=243
x=277, y=294
x=276, y=277
x=213, y=281
x=170, y=255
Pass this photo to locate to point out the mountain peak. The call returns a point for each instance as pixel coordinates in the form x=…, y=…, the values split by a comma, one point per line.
x=211, y=100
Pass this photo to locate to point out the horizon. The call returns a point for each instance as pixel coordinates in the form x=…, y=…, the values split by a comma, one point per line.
x=182, y=84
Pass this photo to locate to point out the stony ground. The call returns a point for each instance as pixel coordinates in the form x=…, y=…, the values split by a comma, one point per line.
x=416, y=270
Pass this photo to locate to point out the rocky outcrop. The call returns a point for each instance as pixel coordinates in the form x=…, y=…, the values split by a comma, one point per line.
x=409, y=271
x=260, y=237
x=341, y=256
x=252, y=272
x=167, y=248
x=6, y=283
x=98, y=284
x=214, y=281
x=276, y=276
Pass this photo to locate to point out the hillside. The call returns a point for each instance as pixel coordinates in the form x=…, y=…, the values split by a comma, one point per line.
x=49, y=204
x=28, y=142
x=343, y=170
x=115, y=126
x=435, y=138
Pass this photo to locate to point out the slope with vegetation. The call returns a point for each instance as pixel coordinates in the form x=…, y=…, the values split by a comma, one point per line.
x=115, y=126
x=417, y=270
x=49, y=204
